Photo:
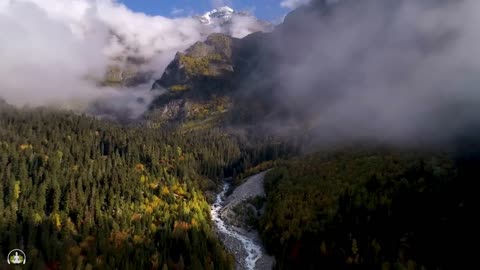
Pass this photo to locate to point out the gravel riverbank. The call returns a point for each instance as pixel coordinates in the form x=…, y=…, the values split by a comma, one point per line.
x=245, y=245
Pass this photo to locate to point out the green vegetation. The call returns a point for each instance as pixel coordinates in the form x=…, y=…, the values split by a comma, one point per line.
x=245, y=215
x=248, y=212
x=202, y=58
x=264, y=166
x=196, y=65
x=200, y=66
x=198, y=125
x=202, y=110
x=76, y=192
x=179, y=88
x=381, y=209
x=257, y=202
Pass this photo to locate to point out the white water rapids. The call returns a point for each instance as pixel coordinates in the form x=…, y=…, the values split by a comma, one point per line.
x=254, y=251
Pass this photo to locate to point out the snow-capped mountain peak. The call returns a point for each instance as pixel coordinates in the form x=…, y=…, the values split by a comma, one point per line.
x=237, y=24
x=223, y=14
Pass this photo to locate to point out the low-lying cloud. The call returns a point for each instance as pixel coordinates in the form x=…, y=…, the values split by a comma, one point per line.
x=55, y=52
x=398, y=71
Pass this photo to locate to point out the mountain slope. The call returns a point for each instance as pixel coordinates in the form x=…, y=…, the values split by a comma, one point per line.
x=201, y=64
x=242, y=71
x=129, y=68
x=346, y=76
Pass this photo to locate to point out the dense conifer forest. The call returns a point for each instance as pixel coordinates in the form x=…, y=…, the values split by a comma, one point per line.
x=76, y=191
x=371, y=209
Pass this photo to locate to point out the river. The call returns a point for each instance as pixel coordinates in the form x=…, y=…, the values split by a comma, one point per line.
x=252, y=250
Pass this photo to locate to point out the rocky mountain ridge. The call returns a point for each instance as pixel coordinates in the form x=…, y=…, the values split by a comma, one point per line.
x=240, y=72
x=130, y=69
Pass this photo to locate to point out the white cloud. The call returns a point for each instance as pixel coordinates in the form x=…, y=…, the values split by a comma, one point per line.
x=42, y=57
x=49, y=47
x=242, y=26
x=402, y=73
x=291, y=4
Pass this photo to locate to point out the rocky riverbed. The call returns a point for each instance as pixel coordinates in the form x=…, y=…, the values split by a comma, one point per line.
x=239, y=238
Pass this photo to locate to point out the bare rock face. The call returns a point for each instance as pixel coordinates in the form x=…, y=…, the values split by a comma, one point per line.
x=220, y=68
x=240, y=70
x=203, y=65
x=197, y=83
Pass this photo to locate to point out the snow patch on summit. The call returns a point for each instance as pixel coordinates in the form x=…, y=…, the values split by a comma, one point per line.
x=222, y=14
x=236, y=24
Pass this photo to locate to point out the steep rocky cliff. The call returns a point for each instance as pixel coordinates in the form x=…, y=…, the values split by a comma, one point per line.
x=208, y=79
x=240, y=76
x=203, y=66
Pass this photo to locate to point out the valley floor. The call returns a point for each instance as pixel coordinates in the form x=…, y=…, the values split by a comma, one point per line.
x=243, y=243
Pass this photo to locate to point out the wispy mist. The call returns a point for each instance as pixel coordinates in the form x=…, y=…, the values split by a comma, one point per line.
x=397, y=71
x=55, y=52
